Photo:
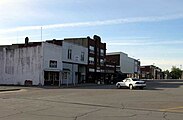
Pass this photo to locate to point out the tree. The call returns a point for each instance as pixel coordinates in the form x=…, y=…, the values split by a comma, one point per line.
x=166, y=74
x=175, y=73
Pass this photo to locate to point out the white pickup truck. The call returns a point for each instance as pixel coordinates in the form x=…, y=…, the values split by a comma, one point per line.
x=131, y=83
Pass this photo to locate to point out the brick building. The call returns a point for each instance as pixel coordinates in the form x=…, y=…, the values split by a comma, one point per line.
x=97, y=69
x=151, y=72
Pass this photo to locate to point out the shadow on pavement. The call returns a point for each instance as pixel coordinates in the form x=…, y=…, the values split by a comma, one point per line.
x=163, y=84
x=151, y=85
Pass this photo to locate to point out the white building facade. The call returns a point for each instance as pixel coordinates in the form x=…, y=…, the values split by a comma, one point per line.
x=125, y=64
x=75, y=60
x=43, y=63
x=35, y=63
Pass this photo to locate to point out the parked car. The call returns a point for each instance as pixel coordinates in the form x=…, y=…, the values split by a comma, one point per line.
x=131, y=83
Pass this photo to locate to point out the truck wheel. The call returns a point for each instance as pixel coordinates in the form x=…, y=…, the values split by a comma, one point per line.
x=131, y=87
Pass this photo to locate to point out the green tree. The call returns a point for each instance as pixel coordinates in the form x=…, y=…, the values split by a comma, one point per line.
x=175, y=73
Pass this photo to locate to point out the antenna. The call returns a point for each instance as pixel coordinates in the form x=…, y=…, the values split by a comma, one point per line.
x=41, y=33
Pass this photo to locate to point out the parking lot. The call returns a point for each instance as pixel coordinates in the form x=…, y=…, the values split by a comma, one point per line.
x=161, y=100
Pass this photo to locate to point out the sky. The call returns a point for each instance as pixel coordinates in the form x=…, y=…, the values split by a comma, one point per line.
x=149, y=30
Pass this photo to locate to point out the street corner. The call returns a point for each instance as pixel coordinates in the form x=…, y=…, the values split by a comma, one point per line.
x=9, y=89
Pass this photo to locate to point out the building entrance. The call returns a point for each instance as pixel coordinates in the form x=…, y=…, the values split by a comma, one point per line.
x=51, y=78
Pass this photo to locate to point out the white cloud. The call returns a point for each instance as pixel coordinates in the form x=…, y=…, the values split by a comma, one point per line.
x=144, y=42
x=96, y=23
x=162, y=63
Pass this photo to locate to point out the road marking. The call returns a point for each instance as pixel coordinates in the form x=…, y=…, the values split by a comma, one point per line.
x=173, y=109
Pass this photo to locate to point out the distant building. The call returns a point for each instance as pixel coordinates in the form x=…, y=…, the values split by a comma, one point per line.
x=126, y=66
x=151, y=72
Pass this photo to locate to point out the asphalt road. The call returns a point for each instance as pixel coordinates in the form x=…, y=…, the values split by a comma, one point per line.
x=161, y=100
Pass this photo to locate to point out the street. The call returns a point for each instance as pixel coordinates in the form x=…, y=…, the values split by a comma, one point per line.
x=161, y=100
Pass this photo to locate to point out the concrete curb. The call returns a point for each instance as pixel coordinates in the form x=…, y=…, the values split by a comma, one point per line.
x=13, y=89
x=72, y=86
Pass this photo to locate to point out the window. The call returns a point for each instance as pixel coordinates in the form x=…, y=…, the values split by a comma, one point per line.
x=92, y=49
x=98, y=51
x=102, y=70
x=101, y=52
x=91, y=70
x=82, y=56
x=65, y=75
x=91, y=60
x=98, y=61
x=69, y=54
x=53, y=64
x=101, y=61
x=128, y=80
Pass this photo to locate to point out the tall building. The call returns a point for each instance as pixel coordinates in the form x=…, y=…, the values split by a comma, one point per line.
x=74, y=60
x=96, y=68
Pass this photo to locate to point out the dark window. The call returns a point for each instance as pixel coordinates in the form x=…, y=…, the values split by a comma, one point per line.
x=82, y=56
x=53, y=64
x=101, y=62
x=65, y=75
x=101, y=52
x=69, y=54
x=91, y=60
x=92, y=49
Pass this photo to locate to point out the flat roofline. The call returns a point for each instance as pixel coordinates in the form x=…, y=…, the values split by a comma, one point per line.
x=75, y=38
x=116, y=53
x=146, y=65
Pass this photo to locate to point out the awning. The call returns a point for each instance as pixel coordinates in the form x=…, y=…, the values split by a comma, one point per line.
x=53, y=70
x=65, y=69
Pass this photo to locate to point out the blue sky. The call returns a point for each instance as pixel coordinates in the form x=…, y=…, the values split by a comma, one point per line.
x=149, y=30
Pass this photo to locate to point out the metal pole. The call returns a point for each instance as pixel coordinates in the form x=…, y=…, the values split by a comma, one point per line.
x=41, y=33
x=67, y=80
x=60, y=77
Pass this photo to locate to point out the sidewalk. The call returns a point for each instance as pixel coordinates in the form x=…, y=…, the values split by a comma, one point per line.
x=86, y=85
